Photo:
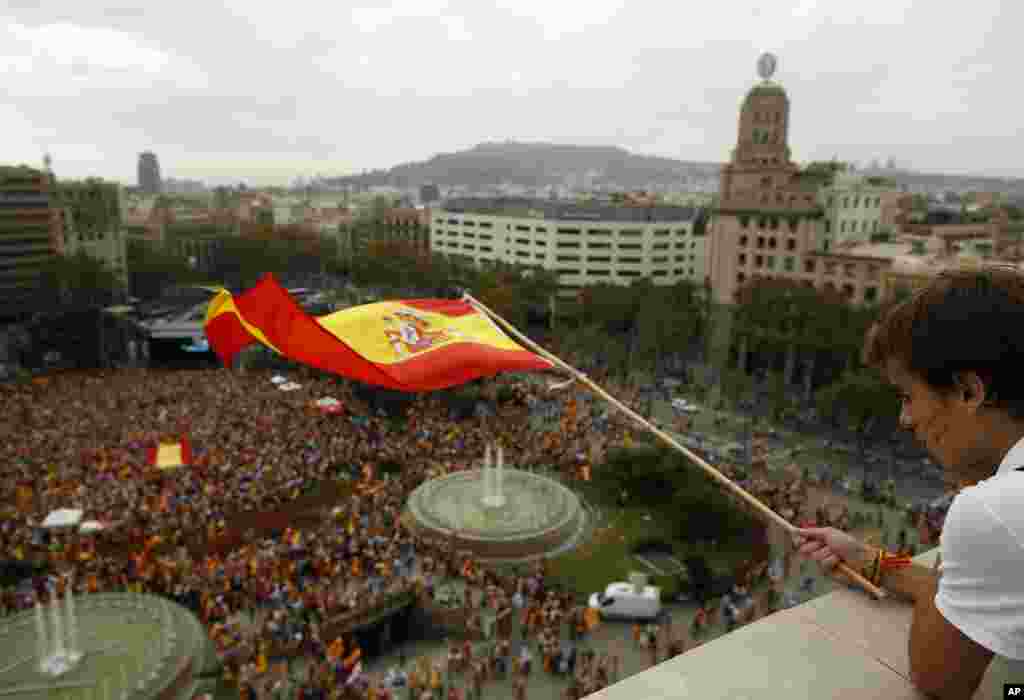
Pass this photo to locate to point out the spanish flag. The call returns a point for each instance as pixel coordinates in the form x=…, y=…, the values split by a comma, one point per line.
x=170, y=455
x=412, y=345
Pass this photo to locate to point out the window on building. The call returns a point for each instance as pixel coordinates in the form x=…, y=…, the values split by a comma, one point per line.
x=847, y=291
x=567, y=258
x=762, y=222
x=542, y=244
x=598, y=232
x=593, y=245
x=631, y=233
x=661, y=232
x=758, y=261
x=769, y=262
x=569, y=231
x=631, y=261
x=788, y=264
x=741, y=278
x=827, y=245
x=659, y=246
x=522, y=254
x=486, y=224
x=522, y=228
x=791, y=244
x=743, y=241
x=541, y=229
x=874, y=226
x=809, y=266
x=870, y=294
x=599, y=258
x=568, y=244
x=775, y=223
x=629, y=273
x=659, y=273
x=663, y=259
x=846, y=202
x=744, y=221
x=772, y=243
x=630, y=246
x=599, y=273
x=567, y=271
x=523, y=240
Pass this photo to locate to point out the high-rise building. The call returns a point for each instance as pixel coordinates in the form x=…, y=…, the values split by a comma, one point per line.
x=29, y=229
x=149, y=173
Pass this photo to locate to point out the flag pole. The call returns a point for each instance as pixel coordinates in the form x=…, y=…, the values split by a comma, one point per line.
x=670, y=441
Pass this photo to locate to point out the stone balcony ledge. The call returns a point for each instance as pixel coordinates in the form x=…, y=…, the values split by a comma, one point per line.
x=840, y=645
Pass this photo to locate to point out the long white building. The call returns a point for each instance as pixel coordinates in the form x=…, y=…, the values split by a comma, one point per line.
x=584, y=243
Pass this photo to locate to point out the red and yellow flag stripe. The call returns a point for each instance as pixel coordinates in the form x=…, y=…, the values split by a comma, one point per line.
x=410, y=345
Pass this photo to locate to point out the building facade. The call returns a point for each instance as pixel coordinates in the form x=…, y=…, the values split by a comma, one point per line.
x=854, y=208
x=149, y=173
x=583, y=243
x=30, y=229
x=768, y=216
x=92, y=223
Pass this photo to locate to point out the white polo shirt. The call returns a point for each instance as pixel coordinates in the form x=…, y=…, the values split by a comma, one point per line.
x=981, y=589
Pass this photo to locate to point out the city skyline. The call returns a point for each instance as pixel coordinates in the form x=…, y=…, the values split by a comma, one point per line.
x=339, y=91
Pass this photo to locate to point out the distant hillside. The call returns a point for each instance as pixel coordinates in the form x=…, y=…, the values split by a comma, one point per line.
x=544, y=164
x=534, y=165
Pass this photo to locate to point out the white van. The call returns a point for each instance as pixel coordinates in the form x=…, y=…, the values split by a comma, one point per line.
x=627, y=601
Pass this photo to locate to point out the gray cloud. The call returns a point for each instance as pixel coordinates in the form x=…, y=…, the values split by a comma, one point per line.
x=250, y=86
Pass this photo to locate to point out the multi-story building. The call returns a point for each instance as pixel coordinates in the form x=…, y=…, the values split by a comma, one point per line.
x=30, y=228
x=92, y=222
x=149, y=173
x=585, y=243
x=768, y=216
x=853, y=209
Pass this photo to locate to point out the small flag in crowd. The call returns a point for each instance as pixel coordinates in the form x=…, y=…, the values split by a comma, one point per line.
x=171, y=455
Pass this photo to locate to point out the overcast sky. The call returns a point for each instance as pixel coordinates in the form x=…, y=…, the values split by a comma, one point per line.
x=270, y=90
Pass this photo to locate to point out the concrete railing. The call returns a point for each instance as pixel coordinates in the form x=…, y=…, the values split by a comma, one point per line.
x=840, y=645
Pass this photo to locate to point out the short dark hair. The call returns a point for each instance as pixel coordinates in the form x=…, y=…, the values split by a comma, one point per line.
x=963, y=320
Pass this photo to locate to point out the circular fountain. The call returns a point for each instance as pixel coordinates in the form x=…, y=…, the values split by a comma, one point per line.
x=113, y=646
x=497, y=513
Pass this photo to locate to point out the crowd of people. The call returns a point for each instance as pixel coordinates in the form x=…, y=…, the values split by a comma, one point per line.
x=84, y=441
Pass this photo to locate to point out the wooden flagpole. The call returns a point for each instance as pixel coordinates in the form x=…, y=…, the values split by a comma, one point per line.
x=670, y=441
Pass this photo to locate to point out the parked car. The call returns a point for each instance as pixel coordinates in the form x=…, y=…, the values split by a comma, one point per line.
x=622, y=601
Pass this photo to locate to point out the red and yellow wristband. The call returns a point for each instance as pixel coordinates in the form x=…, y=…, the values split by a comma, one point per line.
x=881, y=562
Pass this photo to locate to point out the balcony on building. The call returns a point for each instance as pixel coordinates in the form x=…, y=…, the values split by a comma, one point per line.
x=840, y=645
